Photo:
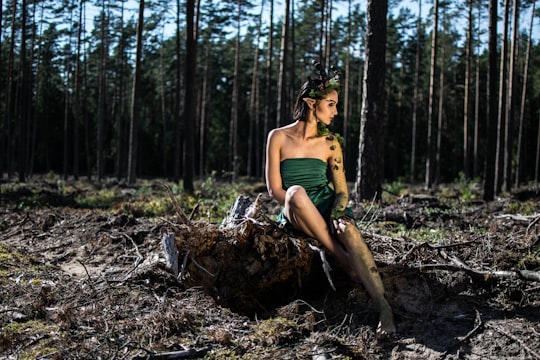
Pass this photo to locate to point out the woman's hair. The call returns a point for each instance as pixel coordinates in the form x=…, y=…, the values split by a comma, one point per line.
x=316, y=89
x=307, y=90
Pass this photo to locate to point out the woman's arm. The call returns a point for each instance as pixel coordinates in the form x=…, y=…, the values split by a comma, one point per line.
x=337, y=168
x=272, y=171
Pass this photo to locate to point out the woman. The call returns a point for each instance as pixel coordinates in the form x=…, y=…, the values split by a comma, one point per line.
x=297, y=159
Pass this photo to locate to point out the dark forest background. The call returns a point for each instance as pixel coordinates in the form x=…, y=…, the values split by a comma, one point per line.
x=109, y=88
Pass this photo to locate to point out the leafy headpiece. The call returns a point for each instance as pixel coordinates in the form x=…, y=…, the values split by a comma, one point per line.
x=323, y=85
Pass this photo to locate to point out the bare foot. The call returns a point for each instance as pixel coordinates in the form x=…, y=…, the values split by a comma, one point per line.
x=386, y=326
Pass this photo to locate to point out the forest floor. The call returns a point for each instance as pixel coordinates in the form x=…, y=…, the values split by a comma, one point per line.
x=88, y=280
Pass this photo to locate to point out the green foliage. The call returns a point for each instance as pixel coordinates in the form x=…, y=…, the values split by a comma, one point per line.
x=467, y=187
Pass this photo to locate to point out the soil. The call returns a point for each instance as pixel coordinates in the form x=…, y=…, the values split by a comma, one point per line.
x=93, y=283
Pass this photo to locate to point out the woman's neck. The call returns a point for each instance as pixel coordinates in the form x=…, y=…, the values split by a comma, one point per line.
x=306, y=129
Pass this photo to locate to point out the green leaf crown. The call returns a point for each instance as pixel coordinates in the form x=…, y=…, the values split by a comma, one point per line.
x=323, y=85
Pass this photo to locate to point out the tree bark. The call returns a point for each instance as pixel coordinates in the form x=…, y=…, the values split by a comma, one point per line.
x=415, y=92
x=432, y=77
x=370, y=161
x=490, y=168
x=100, y=166
x=519, y=160
x=253, y=148
x=134, y=122
x=282, y=89
x=500, y=150
x=233, y=125
x=267, y=87
x=510, y=111
x=466, y=96
x=190, y=103
x=77, y=96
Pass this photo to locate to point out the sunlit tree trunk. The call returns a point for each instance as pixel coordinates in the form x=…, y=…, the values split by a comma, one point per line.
x=466, y=101
x=233, y=127
x=162, y=94
x=347, y=79
x=328, y=33
x=476, y=169
x=2, y=91
x=499, y=155
x=10, y=96
x=490, y=168
x=135, y=100
x=267, y=86
x=283, y=58
x=37, y=86
x=440, y=115
x=190, y=97
x=253, y=143
x=519, y=156
x=510, y=113
x=177, y=105
x=204, y=105
x=370, y=161
x=23, y=113
x=100, y=166
x=77, y=95
x=119, y=114
x=415, y=92
x=432, y=76
x=67, y=92
x=537, y=162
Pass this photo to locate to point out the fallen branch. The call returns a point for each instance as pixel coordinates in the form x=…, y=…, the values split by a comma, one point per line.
x=479, y=274
x=181, y=354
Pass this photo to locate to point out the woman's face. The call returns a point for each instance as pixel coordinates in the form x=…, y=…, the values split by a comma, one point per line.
x=327, y=108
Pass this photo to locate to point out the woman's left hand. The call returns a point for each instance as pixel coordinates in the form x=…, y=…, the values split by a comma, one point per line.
x=339, y=224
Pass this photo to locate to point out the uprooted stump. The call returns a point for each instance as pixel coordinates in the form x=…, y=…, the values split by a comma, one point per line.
x=248, y=263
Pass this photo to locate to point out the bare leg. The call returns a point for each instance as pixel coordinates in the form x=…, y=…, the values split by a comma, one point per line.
x=364, y=264
x=356, y=258
x=304, y=216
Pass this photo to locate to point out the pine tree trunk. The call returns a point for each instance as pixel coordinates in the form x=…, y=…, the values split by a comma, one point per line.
x=204, y=105
x=519, y=155
x=100, y=166
x=499, y=156
x=476, y=169
x=2, y=92
x=253, y=101
x=177, y=105
x=77, y=97
x=190, y=103
x=233, y=124
x=432, y=77
x=25, y=95
x=282, y=89
x=466, y=100
x=267, y=87
x=370, y=161
x=415, y=94
x=510, y=113
x=440, y=115
x=134, y=122
x=490, y=168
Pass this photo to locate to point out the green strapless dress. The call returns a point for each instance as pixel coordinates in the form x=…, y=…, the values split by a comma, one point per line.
x=310, y=173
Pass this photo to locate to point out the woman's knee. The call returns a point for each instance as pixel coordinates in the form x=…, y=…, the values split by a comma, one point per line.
x=296, y=197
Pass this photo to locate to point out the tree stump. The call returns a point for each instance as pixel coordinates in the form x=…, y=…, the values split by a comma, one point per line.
x=248, y=263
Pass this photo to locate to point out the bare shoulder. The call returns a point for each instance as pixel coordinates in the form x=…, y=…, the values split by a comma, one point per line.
x=333, y=141
x=278, y=134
